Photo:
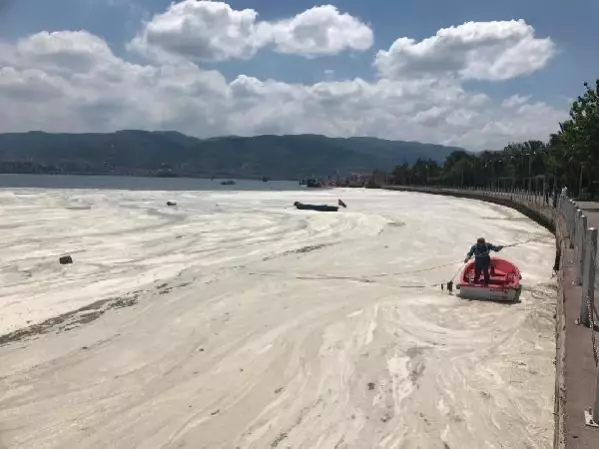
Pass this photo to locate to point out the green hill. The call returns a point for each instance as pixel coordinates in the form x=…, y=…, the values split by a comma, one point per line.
x=171, y=153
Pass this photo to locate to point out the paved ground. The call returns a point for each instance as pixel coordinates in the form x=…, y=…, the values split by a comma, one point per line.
x=591, y=210
x=581, y=373
x=589, y=206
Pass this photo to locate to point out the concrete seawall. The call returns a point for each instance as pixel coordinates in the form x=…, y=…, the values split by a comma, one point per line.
x=575, y=369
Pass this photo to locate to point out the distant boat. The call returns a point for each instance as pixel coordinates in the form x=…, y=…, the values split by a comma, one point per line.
x=313, y=183
x=230, y=182
x=166, y=174
x=265, y=179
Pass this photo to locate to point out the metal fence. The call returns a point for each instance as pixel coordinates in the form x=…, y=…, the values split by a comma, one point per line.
x=582, y=240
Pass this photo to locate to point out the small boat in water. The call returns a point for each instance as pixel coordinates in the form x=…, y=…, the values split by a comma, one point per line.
x=316, y=207
x=314, y=183
x=504, y=282
x=230, y=182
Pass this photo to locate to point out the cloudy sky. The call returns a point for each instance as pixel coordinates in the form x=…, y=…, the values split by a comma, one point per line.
x=463, y=72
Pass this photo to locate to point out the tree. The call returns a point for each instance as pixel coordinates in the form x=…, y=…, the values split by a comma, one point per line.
x=579, y=136
x=401, y=174
x=569, y=157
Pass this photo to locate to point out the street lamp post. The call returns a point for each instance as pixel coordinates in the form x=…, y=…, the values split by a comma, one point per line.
x=530, y=155
x=499, y=162
x=580, y=179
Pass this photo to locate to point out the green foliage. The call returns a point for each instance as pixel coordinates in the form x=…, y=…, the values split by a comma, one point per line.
x=174, y=154
x=570, y=157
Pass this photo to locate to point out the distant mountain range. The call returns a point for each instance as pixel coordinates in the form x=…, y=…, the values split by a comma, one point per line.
x=168, y=153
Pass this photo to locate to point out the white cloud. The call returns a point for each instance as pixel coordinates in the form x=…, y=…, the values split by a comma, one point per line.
x=200, y=31
x=213, y=31
x=73, y=82
x=515, y=100
x=491, y=51
x=30, y=85
x=68, y=81
x=320, y=30
x=65, y=51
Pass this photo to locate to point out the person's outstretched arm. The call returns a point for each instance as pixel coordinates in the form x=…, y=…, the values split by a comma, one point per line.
x=495, y=248
x=470, y=254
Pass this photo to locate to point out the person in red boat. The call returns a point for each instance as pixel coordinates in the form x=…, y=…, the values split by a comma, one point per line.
x=482, y=258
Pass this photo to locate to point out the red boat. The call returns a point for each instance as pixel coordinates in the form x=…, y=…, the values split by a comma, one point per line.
x=504, y=282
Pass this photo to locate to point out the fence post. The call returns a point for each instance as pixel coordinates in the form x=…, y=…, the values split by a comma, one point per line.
x=588, y=278
x=575, y=236
x=596, y=407
x=571, y=223
x=581, y=244
x=567, y=210
x=588, y=290
x=559, y=204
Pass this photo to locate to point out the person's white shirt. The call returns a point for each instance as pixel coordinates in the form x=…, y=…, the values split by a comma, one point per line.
x=565, y=191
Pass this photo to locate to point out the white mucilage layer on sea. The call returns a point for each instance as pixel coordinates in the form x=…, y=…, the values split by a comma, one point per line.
x=234, y=320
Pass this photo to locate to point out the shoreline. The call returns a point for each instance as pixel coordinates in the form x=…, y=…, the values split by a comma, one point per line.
x=570, y=370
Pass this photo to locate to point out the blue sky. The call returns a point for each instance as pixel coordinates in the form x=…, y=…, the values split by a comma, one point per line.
x=572, y=29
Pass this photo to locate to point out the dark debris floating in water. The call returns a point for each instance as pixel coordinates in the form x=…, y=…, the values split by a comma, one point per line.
x=316, y=207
